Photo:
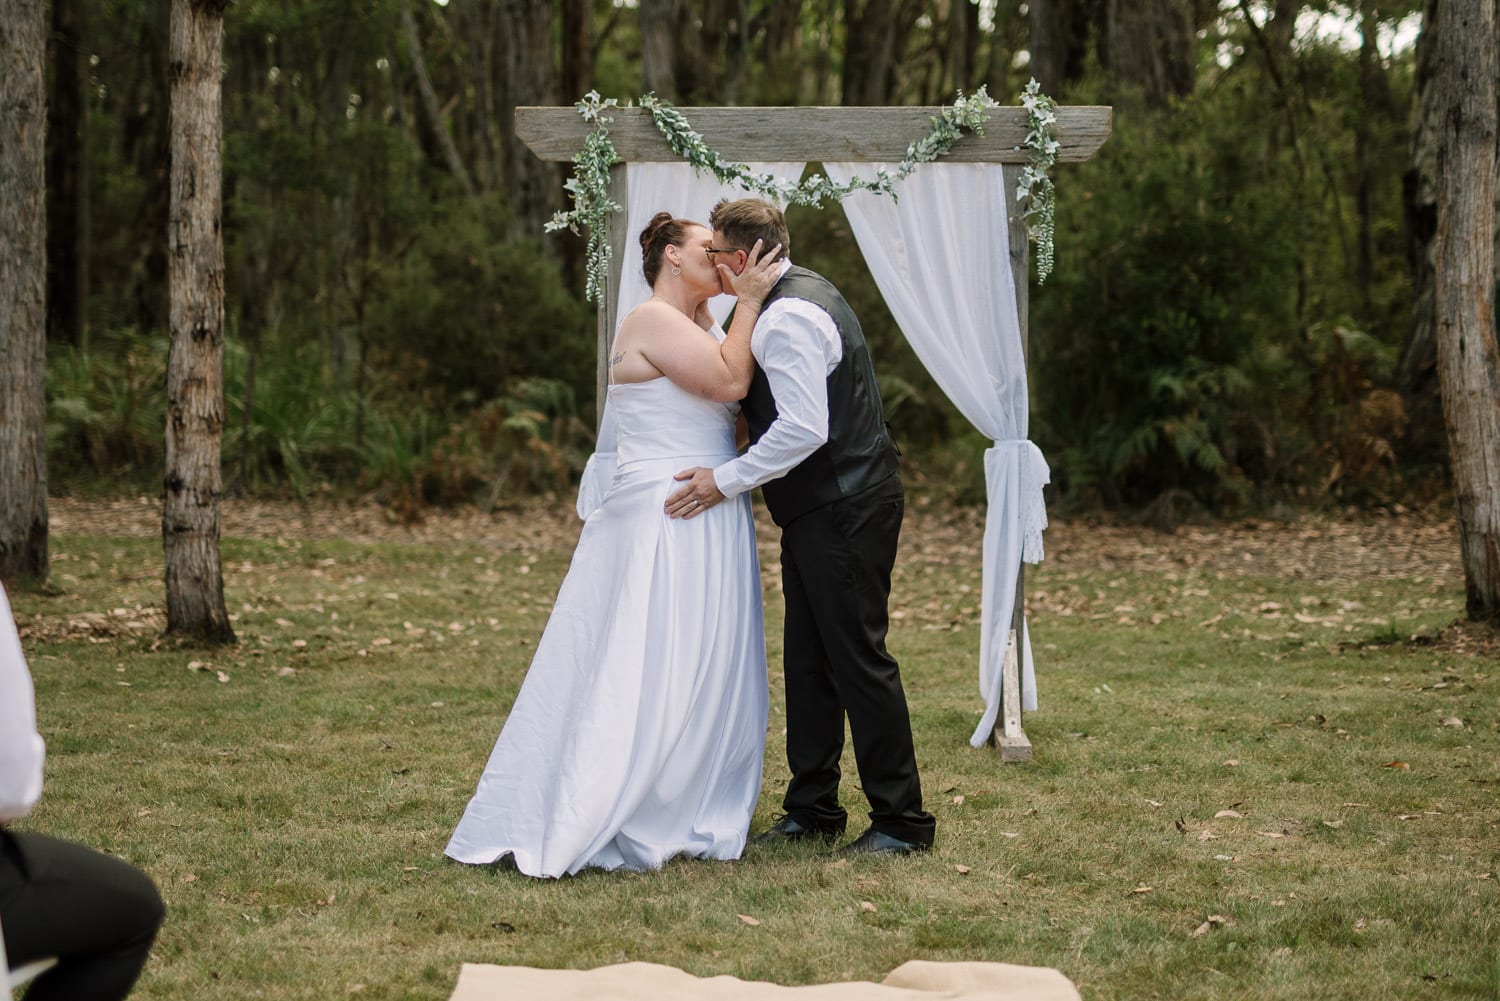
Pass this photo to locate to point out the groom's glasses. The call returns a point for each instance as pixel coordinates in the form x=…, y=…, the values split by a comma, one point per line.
x=711, y=251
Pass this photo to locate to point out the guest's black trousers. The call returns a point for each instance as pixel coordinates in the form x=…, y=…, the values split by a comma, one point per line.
x=836, y=573
x=96, y=914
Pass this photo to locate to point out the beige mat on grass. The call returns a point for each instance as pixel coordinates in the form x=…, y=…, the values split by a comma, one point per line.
x=917, y=980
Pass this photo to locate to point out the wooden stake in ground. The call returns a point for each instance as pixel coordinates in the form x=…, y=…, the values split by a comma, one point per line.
x=195, y=363
x=1468, y=357
x=23, y=271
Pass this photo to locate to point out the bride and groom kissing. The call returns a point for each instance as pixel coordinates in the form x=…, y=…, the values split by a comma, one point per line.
x=639, y=731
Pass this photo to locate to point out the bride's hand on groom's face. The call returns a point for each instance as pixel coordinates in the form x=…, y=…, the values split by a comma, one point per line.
x=754, y=282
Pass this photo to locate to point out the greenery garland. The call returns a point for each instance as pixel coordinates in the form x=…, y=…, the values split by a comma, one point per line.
x=589, y=185
x=1035, y=187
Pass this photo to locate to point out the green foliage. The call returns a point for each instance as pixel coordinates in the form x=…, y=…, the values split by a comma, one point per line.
x=106, y=412
x=1197, y=335
x=1231, y=279
x=463, y=315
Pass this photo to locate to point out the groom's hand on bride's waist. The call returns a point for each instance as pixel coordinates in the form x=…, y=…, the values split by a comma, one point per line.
x=699, y=493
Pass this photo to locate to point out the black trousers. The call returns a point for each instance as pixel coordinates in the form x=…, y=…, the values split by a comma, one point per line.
x=96, y=914
x=836, y=573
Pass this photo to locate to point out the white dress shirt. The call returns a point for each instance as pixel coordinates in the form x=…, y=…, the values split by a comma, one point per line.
x=797, y=344
x=21, y=747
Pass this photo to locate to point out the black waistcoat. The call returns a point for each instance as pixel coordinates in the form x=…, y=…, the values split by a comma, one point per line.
x=859, y=453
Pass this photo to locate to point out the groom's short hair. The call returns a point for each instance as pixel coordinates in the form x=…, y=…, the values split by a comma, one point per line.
x=745, y=220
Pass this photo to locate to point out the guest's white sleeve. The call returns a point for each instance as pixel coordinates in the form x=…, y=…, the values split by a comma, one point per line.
x=797, y=344
x=21, y=747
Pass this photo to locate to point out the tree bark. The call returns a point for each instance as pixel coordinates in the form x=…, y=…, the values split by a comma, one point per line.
x=195, y=362
x=658, y=48
x=1151, y=45
x=869, y=51
x=528, y=76
x=67, y=178
x=430, y=103
x=1416, y=375
x=23, y=280
x=1059, y=32
x=577, y=49
x=1468, y=359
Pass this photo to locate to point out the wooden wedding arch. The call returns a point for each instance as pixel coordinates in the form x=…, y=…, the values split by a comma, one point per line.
x=818, y=135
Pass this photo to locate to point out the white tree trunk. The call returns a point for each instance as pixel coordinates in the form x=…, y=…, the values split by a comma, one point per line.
x=1468, y=357
x=195, y=364
x=23, y=281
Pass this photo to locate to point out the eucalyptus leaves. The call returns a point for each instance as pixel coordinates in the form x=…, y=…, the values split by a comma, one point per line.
x=1035, y=187
x=589, y=185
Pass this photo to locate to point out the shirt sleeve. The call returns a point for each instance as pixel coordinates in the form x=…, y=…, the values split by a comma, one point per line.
x=21, y=747
x=797, y=345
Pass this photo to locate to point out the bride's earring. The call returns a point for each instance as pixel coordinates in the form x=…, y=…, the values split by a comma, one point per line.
x=676, y=271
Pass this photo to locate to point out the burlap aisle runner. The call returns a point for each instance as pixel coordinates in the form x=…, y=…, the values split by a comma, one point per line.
x=917, y=980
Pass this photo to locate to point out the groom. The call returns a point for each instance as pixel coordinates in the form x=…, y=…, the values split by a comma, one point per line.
x=821, y=451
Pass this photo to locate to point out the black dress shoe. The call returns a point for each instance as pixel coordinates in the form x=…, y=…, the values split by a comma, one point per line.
x=872, y=842
x=789, y=828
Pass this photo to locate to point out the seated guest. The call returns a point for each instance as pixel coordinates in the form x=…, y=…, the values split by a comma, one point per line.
x=95, y=914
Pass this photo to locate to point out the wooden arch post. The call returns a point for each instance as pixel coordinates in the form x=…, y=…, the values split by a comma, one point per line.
x=818, y=135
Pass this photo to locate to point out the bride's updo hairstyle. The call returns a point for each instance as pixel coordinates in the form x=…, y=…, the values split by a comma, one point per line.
x=660, y=232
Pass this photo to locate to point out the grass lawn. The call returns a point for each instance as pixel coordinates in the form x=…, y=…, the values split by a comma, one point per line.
x=1249, y=780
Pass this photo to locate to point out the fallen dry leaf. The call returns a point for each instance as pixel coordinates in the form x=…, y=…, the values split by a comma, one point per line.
x=1213, y=921
x=1397, y=764
x=1141, y=889
x=1155, y=805
x=962, y=870
x=1453, y=721
x=1232, y=762
x=958, y=800
x=752, y=922
x=223, y=678
x=1207, y=836
x=865, y=905
x=1333, y=823
x=1272, y=834
x=1230, y=814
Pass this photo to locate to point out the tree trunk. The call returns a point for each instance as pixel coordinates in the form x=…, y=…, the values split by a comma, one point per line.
x=67, y=178
x=1468, y=359
x=658, y=48
x=195, y=363
x=869, y=51
x=1059, y=31
x=1416, y=375
x=23, y=280
x=1151, y=45
x=476, y=20
x=963, y=47
x=430, y=103
x=1364, y=180
x=577, y=49
x=528, y=69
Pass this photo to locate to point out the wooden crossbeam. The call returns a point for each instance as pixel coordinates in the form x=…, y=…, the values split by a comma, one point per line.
x=861, y=135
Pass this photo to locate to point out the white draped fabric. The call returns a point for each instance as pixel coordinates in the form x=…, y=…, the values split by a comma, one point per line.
x=651, y=188
x=941, y=258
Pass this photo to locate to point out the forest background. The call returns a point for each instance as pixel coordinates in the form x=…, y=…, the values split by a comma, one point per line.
x=1240, y=317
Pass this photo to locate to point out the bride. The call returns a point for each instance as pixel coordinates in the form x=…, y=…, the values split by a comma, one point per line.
x=638, y=733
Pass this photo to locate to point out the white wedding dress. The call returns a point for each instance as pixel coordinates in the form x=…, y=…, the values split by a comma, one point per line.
x=639, y=731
